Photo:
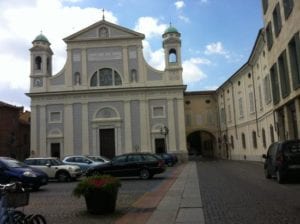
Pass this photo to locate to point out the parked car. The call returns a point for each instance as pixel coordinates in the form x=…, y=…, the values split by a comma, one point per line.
x=55, y=168
x=99, y=158
x=282, y=160
x=14, y=170
x=82, y=161
x=144, y=165
x=170, y=159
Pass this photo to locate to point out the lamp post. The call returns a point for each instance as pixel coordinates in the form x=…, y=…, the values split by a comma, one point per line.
x=164, y=130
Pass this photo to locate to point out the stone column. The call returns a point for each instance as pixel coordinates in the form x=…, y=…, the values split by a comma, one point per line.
x=68, y=130
x=85, y=129
x=127, y=124
x=43, y=133
x=171, y=125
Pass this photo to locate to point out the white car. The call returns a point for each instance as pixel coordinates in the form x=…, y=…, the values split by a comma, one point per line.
x=55, y=168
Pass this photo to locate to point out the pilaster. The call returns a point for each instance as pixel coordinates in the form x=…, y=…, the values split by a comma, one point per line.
x=181, y=125
x=43, y=133
x=85, y=129
x=125, y=65
x=144, y=116
x=171, y=125
x=68, y=130
x=127, y=124
x=84, y=68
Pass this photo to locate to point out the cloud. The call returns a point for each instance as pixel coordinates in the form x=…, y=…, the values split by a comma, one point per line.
x=216, y=48
x=179, y=4
x=155, y=58
x=184, y=18
x=150, y=27
x=53, y=18
x=191, y=70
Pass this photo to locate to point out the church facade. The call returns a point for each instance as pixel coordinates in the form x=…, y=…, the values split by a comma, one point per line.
x=106, y=100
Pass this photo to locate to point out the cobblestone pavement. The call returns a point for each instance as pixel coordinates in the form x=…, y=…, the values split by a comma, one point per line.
x=237, y=193
x=56, y=203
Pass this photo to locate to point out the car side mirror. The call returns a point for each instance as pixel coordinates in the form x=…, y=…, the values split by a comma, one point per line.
x=264, y=156
x=48, y=164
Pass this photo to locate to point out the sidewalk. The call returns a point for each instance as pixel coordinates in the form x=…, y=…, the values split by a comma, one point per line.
x=177, y=201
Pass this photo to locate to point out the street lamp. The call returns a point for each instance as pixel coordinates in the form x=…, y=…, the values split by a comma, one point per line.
x=164, y=130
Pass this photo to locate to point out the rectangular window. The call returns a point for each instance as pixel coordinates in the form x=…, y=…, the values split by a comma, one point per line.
x=241, y=109
x=229, y=113
x=158, y=111
x=294, y=56
x=265, y=4
x=284, y=75
x=251, y=102
x=269, y=34
x=275, y=84
x=277, y=20
x=267, y=89
x=288, y=6
x=55, y=117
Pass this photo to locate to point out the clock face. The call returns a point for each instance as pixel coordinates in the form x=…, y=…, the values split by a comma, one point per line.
x=37, y=82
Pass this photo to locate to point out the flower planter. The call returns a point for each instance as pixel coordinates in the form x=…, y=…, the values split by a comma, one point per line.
x=100, y=193
x=101, y=202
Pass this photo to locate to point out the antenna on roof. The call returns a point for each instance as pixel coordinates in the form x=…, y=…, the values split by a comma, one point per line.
x=103, y=16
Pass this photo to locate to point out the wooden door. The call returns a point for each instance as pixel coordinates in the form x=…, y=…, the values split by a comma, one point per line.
x=107, y=142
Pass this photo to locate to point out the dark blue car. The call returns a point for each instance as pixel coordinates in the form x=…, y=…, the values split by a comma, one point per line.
x=14, y=170
x=170, y=159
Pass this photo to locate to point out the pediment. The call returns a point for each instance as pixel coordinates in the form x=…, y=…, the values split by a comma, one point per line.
x=104, y=30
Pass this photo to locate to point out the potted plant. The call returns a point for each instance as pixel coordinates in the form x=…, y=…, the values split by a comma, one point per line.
x=100, y=193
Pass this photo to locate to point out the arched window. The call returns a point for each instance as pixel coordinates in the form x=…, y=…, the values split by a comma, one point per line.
x=38, y=63
x=48, y=65
x=243, y=141
x=254, y=140
x=106, y=77
x=172, y=56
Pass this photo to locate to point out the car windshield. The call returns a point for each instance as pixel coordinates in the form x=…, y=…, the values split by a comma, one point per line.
x=57, y=162
x=13, y=163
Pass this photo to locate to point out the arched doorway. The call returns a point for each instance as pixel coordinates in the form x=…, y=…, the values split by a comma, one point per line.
x=201, y=143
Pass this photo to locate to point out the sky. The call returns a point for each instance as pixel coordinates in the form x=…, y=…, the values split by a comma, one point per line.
x=217, y=35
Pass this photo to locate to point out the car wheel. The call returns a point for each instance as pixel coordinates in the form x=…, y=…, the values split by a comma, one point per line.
x=63, y=176
x=145, y=174
x=279, y=177
x=267, y=174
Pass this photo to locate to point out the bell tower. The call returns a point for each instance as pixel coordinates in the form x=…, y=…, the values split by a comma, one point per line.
x=172, y=49
x=41, y=63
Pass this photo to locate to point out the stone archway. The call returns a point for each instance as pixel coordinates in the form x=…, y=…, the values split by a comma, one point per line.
x=201, y=143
